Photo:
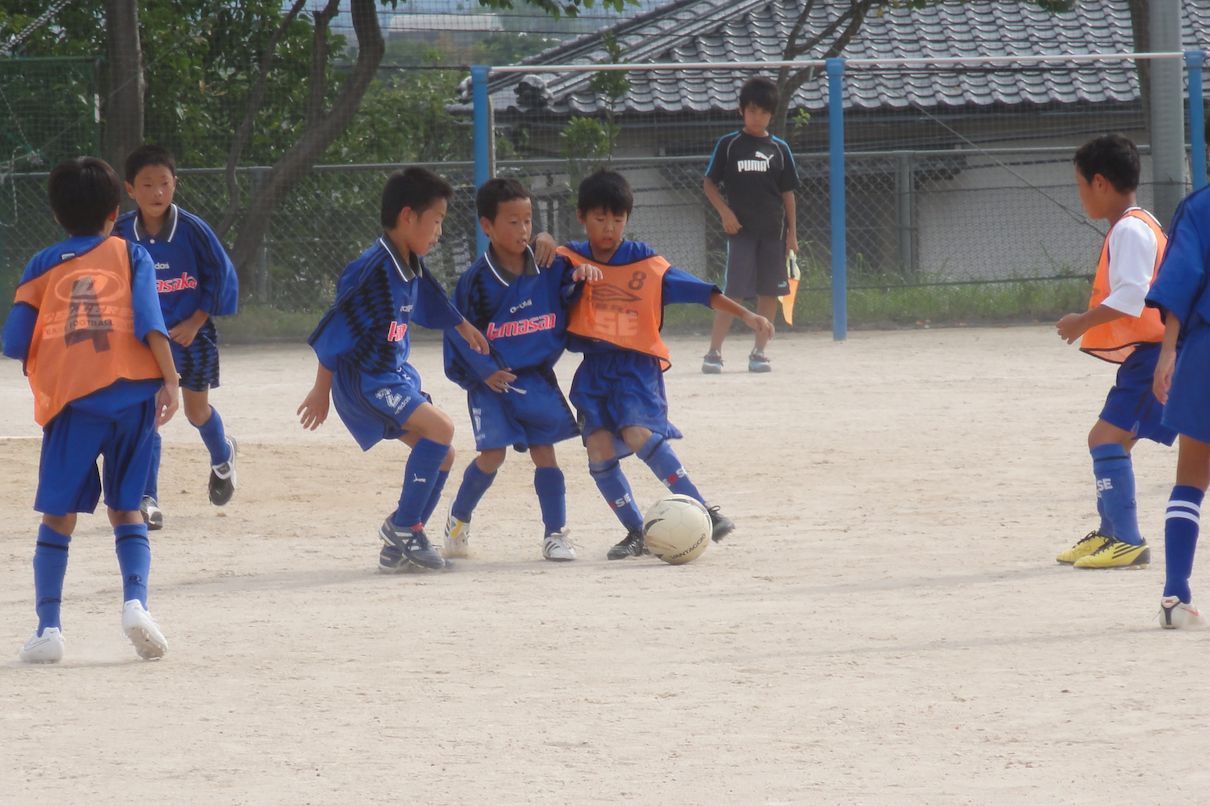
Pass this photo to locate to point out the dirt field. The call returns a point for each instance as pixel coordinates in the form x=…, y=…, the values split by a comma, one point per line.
x=887, y=624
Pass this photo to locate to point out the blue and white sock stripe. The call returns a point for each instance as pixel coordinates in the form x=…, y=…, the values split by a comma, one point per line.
x=1185, y=509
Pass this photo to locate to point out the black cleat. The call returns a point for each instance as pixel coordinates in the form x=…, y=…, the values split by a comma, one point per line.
x=407, y=549
x=631, y=546
x=222, y=478
x=722, y=525
x=152, y=515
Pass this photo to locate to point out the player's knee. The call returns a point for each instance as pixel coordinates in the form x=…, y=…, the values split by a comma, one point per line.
x=543, y=455
x=599, y=446
x=635, y=436
x=120, y=517
x=63, y=524
x=197, y=409
x=490, y=461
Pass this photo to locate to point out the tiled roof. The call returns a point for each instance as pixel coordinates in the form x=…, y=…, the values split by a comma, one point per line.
x=756, y=30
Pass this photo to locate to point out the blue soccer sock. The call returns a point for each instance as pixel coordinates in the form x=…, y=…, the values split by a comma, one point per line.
x=134, y=559
x=419, y=477
x=551, y=488
x=1181, y=526
x=1115, y=487
x=659, y=456
x=435, y=495
x=1106, y=528
x=474, y=484
x=50, y=566
x=215, y=438
x=616, y=490
x=153, y=471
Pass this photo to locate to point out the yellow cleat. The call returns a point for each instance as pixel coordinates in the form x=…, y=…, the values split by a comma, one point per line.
x=1084, y=546
x=1116, y=554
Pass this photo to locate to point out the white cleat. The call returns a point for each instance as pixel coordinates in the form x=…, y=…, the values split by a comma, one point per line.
x=44, y=648
x=1177, y=615
x=457, y=538
x=557, y=546
x=153, y=516
x=142, y=631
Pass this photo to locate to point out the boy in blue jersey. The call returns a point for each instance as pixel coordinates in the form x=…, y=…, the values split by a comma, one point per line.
x=87, y=327
x=758, y=176
x=618, y=389
x=195, y=281
x=1182, y=383
x=512, y=393
x=362, y=344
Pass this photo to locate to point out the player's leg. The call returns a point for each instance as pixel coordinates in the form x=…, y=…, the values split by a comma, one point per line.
x=656, y=451
x=127, y=456
x=149, y=505
x=757, y=360
x=738, y=283
x=1182, y=523
x=476, y=480
x=606, y=472
x=430, y=432
x=551, y=488
x=209, y=424
x=770, y=283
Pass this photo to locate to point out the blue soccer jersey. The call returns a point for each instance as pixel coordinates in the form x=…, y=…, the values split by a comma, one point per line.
x=192, y=269
x=1180, y=283
x=523, y=317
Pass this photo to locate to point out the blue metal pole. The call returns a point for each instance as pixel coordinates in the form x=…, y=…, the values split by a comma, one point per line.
x=483, y=137
x=1194, y=59
x=840, y=291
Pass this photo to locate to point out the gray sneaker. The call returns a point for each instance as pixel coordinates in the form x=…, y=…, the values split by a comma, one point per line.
x=405, y=547
x=758, y=362
x=712, y=364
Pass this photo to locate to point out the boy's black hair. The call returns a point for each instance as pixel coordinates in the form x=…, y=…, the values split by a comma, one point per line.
x=84, y=192
x=417, y=188
x=148, y=154
x=1112, y=156
x=760, y=92
x=605, y=190
x=495, y=192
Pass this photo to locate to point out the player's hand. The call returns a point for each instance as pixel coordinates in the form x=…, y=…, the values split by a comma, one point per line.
x=1162, y=382
x=473, y=337
x=314, y=408
x=544, y=249
x=587, y=273
x=731, y=224
x=184, y=333
x=791, y=242
x=1070, y=327
x=759, y=325
x=167, y=401
x=499, y=380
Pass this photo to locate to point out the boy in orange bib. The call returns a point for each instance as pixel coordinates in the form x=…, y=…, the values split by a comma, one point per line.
x=1120, y=329
x=618, y=390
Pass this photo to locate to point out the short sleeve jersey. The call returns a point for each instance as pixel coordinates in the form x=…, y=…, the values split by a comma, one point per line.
x=1180, y=283
x=753, y=173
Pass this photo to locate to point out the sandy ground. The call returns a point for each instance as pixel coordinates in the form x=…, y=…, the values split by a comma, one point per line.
x=887, y=625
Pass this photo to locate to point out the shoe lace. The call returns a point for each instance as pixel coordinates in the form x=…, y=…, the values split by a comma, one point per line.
x=1108, y=545
x=418, y=541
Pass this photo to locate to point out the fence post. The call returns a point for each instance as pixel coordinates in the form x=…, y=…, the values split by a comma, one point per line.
x=905, y=188
x=261, y=281
x=483, y=136
x=1194, y=60
x=840, y=311
x=1167, y=109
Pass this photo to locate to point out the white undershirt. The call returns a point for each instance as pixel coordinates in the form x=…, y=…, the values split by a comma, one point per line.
x=1132, y=248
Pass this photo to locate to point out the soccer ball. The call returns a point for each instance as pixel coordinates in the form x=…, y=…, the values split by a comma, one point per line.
x=677, y=529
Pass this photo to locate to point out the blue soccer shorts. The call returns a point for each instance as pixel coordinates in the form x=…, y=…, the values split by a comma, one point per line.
x=374, y=406
x=1131, y=405
x=197, y=364
x=532, y=412
x=1188, y=409
x=614, y=389
x=68, y=480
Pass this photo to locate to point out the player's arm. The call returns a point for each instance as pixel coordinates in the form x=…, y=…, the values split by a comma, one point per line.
x=759, y=324
x=791, y=206
x=168, y=399
x=185, y=331
x=731, y=224
x=1162, y=380
x=1132, y=246
x=314, y=408
x=1073, y=325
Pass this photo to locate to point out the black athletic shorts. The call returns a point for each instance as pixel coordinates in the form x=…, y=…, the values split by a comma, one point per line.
x=756, y=267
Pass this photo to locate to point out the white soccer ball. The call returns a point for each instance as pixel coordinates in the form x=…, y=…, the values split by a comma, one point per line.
x=677, y=529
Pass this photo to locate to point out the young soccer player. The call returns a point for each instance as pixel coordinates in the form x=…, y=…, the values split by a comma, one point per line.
x=618, y=389
x=362, y=344
x=512, y=393
x=1118, y=328
x=195, y=281
x=1182, y=383
x=757, y=173
x=87, y=326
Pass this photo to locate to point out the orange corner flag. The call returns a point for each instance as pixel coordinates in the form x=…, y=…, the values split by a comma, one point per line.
x=787, y=301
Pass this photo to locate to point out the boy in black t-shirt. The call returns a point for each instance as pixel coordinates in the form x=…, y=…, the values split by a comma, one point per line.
x=758, y=176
